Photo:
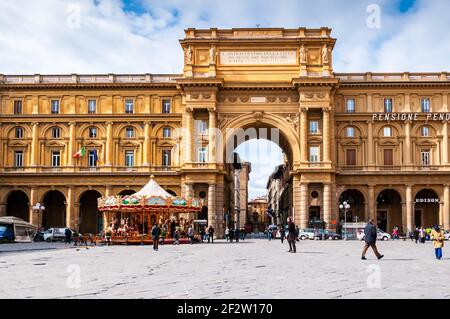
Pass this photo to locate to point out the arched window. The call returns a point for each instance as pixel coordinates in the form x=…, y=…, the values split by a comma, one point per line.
x=387, y=131
x=56, y=132
x=19, y=132
x=350, y=132
x=166, y=132
x=425, y=131
x=92, y=132
x=129, y=132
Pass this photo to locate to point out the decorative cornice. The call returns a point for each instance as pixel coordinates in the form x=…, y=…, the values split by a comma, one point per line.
x=199, y=82
x=312, y=81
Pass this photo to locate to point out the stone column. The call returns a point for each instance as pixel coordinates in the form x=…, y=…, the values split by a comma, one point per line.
x=71, y=144
x=189, y=190
x=188, y=135
x=304, y=218
x=33, y=201
x=372, y=202
x=327, y=205
x=212, y=216
x=326, y=135
x=35, y=145
x=146, y=146
x=303, y=135
x=109, y=144
x=370, y=145
x=445, y=144
x=71, y=218
x=446, y=214
x=212, y=136
x=366, y=211
x=404, y=217
x=408, y=143
x=296, y=200
x=409, y=210
x=237, y=199
x=189, y=194
x=220, y=199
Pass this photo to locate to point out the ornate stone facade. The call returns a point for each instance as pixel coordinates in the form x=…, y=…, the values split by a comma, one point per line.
x=175, y=127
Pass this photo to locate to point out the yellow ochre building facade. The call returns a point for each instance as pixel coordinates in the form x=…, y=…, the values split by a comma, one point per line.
x=379, y=141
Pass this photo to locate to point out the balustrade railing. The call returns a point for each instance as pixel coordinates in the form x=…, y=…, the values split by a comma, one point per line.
x=88, y=78
x=390, y=77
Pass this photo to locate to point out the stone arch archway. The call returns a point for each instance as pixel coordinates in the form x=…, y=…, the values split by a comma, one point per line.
x=91, y=221
x=260, y=127
x=389, y=209
x=18, y=205
x=426, y=208
x=55, y=209
x=357, y=201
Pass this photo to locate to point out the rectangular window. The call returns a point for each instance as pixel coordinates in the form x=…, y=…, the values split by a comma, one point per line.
x=351, y=157
x=129, y=106
x=388, y=157
x=17, y=107
x=313, y=127
x=314, y=154
x=425, y=157
x=56, y=158
x=92, y=106
x=166, y=106
x=129, y=158
x=18, y=158
x=202, y=154
x=388, y=105
x=166, y=157
x=93, y=158
x=426, y=105
x=350, y=106
x=55, y=107
x=19, y=132
x=166, y=132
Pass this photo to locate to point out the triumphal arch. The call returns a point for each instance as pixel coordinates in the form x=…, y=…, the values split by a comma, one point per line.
x=266, y=80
